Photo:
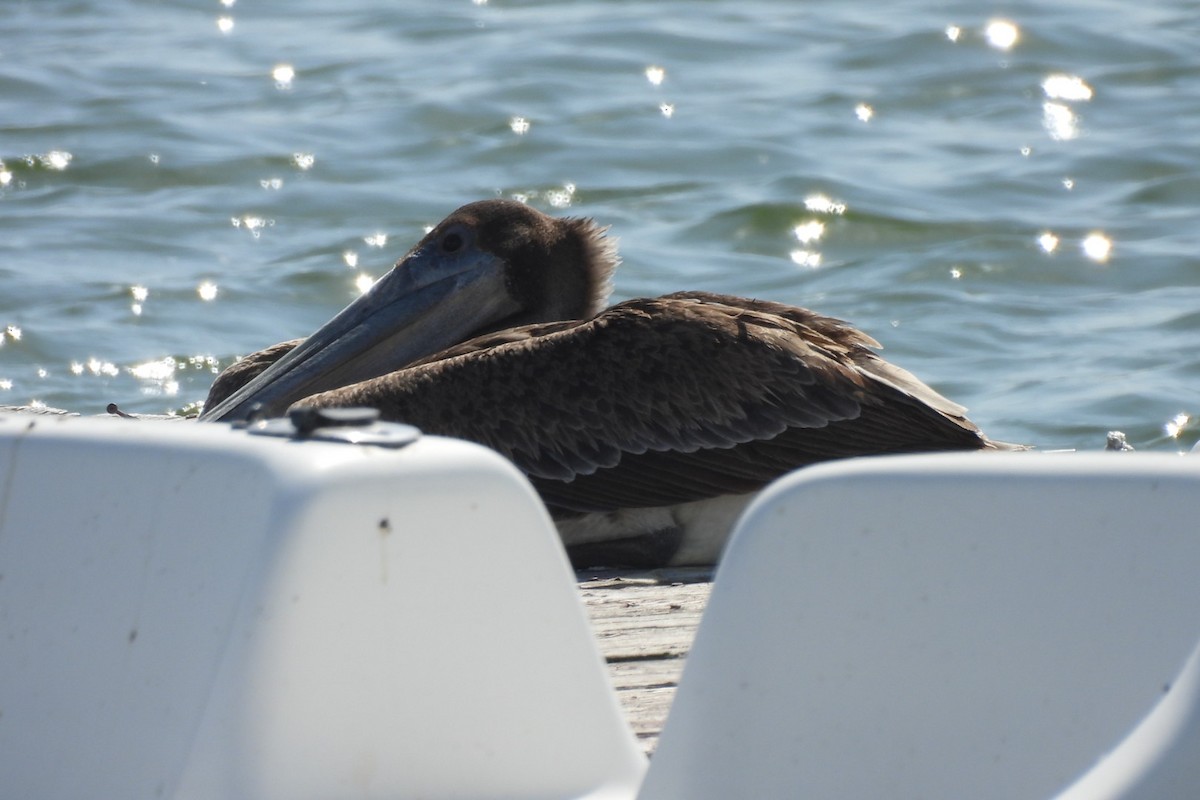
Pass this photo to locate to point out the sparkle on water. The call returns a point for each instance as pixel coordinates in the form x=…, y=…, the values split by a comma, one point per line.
x=809, y=231
x=1060, y=121
x=1066, y=87
x=823, y=204
x=806, y=258
x=139, y=293
x=1001, y=34
x=561, y=198
x=159, y=375
x=556, y=198
x=93, y=366
x=1097, y=247
x=283, y=74
x=56, y=160
x=254, y=225
x=1176, y=425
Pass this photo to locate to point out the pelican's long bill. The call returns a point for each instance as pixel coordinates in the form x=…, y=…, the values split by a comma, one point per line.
x=431, y=299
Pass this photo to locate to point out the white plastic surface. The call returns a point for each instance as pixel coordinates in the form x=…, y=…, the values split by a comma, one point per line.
x=949, y=626
x=190, y=612
x=1161, y=758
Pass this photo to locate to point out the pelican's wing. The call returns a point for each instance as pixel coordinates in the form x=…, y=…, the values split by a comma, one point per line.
x=244, y=370
x=656, y=402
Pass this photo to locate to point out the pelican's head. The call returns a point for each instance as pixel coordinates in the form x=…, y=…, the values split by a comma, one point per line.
x=490, y=265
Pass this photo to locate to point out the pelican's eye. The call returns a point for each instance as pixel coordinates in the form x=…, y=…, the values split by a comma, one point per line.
x=452, y=242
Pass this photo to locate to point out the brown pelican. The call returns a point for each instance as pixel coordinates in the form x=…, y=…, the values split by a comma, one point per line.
x=644, y=426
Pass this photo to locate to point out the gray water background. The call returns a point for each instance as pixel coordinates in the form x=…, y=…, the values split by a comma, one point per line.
x=1005, y=195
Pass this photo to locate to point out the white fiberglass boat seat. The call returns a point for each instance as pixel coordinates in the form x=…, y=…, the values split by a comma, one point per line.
x=950, y=626
x=191, y=611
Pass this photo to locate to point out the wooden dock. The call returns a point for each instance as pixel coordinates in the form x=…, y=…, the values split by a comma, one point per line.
x=644, y=623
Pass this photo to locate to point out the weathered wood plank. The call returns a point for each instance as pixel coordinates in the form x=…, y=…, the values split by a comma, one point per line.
x=644, y=624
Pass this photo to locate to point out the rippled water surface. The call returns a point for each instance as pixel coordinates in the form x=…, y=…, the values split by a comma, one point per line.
x=1007, y=199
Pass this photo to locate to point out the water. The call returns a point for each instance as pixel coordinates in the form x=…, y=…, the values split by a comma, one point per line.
x=1005, y=197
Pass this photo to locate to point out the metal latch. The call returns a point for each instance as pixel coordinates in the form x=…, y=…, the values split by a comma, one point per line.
x=346, y=425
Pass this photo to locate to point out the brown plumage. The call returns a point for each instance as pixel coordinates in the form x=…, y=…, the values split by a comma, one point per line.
x=242, y=371
x=665, y=401
x=651, y=403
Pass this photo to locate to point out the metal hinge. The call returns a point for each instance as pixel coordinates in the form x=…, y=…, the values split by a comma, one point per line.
x=345, y=425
